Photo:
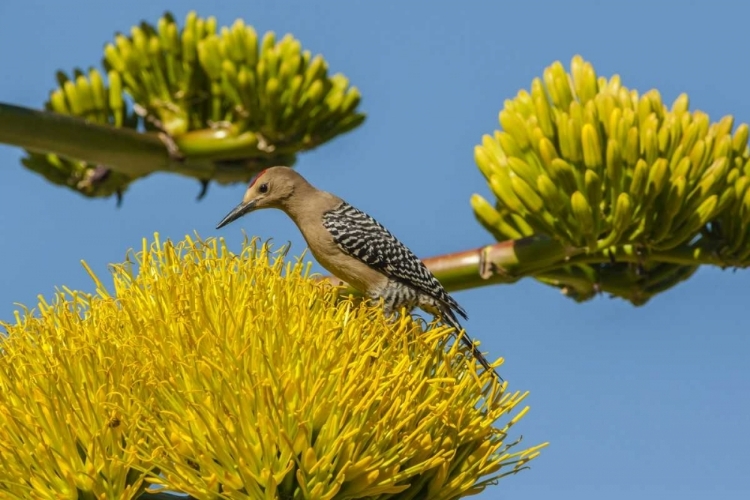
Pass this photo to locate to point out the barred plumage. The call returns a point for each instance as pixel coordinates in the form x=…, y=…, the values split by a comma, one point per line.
x=354, y=247
x=361, y=236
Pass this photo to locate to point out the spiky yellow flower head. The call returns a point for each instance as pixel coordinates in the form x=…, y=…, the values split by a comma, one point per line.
x=239, y=376
x=604, y=170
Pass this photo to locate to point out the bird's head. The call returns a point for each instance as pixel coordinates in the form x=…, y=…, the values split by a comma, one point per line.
x=271, y=188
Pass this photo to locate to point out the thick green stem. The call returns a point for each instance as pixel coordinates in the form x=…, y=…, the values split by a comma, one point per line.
x=504, y=262
x=120, y=149
x=123, y=150
x=540, y=256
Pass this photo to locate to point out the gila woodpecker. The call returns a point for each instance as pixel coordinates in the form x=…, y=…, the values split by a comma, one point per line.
x=354, y=247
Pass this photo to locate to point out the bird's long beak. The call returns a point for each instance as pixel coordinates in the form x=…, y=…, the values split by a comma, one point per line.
x=237, y=212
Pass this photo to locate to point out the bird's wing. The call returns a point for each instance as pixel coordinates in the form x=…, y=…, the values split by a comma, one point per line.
x=362, y=237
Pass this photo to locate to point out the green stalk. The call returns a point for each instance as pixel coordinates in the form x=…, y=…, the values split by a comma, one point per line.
x=121, y=149
x=504, y=262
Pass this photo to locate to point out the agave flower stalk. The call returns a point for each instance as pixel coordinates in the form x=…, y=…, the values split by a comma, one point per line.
x=225, y=375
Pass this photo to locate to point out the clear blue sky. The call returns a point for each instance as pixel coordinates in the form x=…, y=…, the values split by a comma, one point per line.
x=646, y=403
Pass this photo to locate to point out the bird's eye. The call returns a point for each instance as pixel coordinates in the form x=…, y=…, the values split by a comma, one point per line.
x=263, y=188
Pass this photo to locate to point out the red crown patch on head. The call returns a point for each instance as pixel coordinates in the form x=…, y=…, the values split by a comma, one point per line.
x=252, y=183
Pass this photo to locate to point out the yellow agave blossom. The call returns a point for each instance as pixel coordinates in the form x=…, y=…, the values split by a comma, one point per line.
x=239, y=376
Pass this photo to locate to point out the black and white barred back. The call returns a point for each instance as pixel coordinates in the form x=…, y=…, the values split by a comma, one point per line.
x=411, y=283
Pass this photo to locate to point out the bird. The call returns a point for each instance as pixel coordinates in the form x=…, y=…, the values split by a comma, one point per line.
x=355, y=248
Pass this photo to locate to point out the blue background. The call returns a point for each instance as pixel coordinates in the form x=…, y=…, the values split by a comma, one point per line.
x=636, y=402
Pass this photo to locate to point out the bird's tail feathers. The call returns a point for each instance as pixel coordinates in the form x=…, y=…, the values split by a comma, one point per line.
x=450, y=318
x=451, y=304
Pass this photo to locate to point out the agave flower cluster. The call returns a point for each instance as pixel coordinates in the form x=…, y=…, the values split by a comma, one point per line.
x=608, y=172
x=226, y=375
x=221, y=94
